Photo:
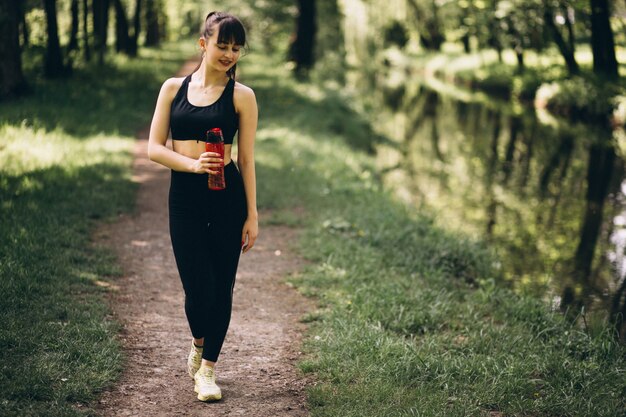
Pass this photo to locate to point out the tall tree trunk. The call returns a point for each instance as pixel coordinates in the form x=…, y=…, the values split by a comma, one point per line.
x=73, y=44
x=132, y=44
x=602, y=43
x=53, y=63
x=100, y=27
x=302, y=46
x=86, y=46
x=11, y=77
x=567, y=50
x=22, y=24
x=122, y=39
x=162, y=20
x=152, y=23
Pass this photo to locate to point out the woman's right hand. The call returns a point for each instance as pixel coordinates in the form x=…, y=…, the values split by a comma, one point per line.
x=206, y=161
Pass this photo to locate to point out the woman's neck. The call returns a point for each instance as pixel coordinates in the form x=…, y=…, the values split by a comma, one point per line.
x=209, y=77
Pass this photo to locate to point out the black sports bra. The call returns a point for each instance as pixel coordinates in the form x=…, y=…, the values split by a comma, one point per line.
x=189, y=122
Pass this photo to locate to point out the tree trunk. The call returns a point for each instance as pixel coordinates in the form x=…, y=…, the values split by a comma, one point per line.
x=465, y=40
x=100, y=27
x=122, y=39
x=602, y=43
x=152, y=24
x=567, y=51
x=86, y=47
x=519, y=54
x=302, y=46
x=22, y=24
x=430, y=35
x=73, y=44
x=618, y=311
x=11, y=77
x=53, y=62
x=132, y=44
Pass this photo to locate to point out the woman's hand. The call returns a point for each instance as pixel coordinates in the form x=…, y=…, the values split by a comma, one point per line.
x=249, y=234
x=206, y=161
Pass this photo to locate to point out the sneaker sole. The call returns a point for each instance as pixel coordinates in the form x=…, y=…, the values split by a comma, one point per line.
x=210, y=397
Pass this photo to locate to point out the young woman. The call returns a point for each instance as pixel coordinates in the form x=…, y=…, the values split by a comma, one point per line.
x=209, y=228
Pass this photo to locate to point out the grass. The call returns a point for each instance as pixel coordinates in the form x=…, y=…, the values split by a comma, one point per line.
x=65, y=163
x=410, y=322
x=411, y=318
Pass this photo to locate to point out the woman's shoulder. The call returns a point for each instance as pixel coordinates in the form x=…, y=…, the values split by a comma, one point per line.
x=173, y=83
x=243, y=92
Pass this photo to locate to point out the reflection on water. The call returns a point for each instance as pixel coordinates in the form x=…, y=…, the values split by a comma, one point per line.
x=549, y=199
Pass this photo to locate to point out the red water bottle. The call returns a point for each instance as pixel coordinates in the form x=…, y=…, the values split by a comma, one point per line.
x=215, y=143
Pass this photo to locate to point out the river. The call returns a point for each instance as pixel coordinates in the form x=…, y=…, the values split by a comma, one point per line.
x=549, y=196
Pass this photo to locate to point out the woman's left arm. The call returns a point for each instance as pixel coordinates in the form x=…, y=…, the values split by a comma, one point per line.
x=246, y=107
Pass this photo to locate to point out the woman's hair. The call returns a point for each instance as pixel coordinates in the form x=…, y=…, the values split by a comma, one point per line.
x=230, y=28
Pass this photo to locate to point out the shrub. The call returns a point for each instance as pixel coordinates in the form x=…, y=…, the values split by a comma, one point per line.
x=578, y=98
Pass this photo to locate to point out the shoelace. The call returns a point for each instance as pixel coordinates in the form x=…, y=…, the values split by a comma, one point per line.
x=207, y=376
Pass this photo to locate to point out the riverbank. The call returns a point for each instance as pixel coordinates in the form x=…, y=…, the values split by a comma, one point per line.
x=410, y=320
x=544, y=82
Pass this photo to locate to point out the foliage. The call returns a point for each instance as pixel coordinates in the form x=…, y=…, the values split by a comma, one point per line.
x=525, y=86
x=579, y=98
x=495, y=79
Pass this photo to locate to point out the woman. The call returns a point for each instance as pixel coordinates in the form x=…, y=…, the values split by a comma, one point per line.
x=209, y=229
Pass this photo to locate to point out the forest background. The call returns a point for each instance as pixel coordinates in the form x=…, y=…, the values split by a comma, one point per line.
x=471, y=153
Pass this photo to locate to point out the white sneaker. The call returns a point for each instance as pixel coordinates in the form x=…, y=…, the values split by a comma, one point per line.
x=194, y=359
x=205, y=384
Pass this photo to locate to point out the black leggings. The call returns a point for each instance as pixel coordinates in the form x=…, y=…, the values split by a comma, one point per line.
x=205, y=227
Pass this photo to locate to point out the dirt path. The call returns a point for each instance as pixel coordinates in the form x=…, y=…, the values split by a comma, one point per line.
x=256, y=367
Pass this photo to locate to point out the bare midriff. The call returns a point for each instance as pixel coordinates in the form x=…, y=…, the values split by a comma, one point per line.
x=193, y=149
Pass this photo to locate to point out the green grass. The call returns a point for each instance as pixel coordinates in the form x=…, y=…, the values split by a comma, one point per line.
x=411, y=319
x=65, y=164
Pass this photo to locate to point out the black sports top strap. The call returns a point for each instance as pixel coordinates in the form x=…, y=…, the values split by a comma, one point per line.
x=189, y=122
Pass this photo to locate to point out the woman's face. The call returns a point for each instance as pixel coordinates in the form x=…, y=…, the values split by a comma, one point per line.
x=220, y=56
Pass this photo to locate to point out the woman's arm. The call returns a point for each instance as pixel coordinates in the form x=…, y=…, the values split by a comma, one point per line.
x=246, y=106
x=159, y=130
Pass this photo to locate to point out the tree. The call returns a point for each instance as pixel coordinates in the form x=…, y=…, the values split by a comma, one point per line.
x=100, y=26
x=86, y=47
x=303, y=43
x=429, y=30
x=566, y=47
x=122, y=40
x=602, y=43
x=11, y=76
x=153, y=35
x=22, y=24
x=53, y=60
x=132, y=42
x=73, y=44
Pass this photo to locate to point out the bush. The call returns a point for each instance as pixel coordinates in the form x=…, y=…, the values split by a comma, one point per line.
x=525, y=86
x=578, y=98
x=494, y=79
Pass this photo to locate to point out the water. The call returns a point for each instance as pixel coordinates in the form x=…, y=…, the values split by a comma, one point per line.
x=548, y=196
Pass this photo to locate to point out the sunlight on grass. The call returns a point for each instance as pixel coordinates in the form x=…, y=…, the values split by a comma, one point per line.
x=25, y=149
